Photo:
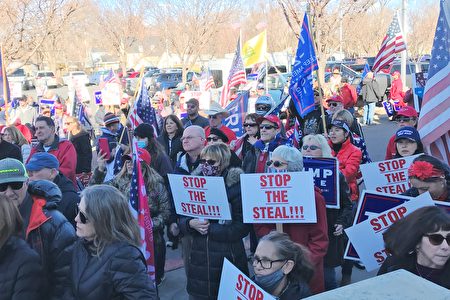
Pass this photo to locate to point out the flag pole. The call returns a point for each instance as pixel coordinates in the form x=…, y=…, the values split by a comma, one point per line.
x=5, y=88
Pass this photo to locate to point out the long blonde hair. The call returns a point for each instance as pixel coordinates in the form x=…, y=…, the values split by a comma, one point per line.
x=17, y=136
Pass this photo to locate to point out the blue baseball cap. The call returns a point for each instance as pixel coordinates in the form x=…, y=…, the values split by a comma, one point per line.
x=409, y=133
x=339, y=124
x=42, y=160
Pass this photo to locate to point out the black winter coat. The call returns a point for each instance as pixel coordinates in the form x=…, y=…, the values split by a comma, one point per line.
x=295, y=291
x=52, y=237
x=175, y=147
x=119, y=272
x=224, y=240
x=70, y=198
x=82, y=143
x=21, y=273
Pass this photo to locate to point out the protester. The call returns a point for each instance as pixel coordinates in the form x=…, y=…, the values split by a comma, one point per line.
x=428, y=174
x=282, y=267
x=110, y=132
x=49, y=142
x=10, y=150
x=420, y=244
x=312, y=236
x=216, y=115
x=214, y=240
x=14, y=136
x=349, y=95
x=257, y=157
x=249, y=138
x=193, y=118
x=21, y=273
x=170, y=137
x=335, y=82
x=349, y=156
x=264, y=105
x=145, y=135
x=158, y=199
x=107, y=262
x=396, y=94
x=371, y=94
x=45, y=229
x=81, y=140
x=311, y=123
x=337, y=219
x=25, y=112
x=407, y=142
x=335, y=103
x=45, y=166
x=406, y=116
x=217, y=136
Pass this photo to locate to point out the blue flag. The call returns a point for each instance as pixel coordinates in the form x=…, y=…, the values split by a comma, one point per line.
x=364, y=74
x=237, y=110
x=301, y=86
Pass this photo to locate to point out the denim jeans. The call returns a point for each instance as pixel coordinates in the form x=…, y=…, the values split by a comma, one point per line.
x=369, y=113
x=329, y=275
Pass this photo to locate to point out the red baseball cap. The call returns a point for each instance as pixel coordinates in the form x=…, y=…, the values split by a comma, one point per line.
x=142, y=154
x=335, y=98
x=271, y=118
x=407, y=111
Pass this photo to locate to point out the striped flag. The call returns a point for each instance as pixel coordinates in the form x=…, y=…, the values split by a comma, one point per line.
x=393, y=43
x=110, y=78
x=207, y=80
x=236, y=77
x=434, y=124
x=141, y=211
x=143, y=112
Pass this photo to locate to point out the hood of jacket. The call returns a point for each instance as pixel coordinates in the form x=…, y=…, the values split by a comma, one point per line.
x=231, y=176
x=47, y=190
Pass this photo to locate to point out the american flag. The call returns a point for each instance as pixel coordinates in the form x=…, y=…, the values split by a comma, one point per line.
x=293, y=134
x=393, y=43
x=208, y=80
x=118, y=160
x=236, y=77
x=141, y=211
x=110, y=78
x=434, y=124
x=82, y=116
x=143, y=112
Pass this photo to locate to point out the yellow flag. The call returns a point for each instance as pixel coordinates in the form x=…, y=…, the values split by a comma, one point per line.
x=254, y=50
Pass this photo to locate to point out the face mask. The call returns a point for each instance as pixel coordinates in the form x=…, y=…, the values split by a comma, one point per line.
x=141, y=144
x=208, y=170
x=270, y=282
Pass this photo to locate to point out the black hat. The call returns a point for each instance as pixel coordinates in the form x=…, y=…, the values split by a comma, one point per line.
x=339, y=124
x=219, y=133
x=144, y=130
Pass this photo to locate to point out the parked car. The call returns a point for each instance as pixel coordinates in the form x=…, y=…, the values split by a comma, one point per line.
x=19, y=76
x=76, y=75
x=96, y=77
x=46, y=78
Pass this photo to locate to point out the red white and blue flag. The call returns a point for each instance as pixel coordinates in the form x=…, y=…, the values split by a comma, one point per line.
x=434, y=124
x=143, y=112
x=110, y=78
x=141, y=211
x=207, y=80
x=236, y=77
x=392, y=44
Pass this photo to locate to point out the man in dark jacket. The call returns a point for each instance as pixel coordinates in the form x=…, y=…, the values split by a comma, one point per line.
x=371, y=94
x=45, y=166
x=193, y=118
x=45, y=229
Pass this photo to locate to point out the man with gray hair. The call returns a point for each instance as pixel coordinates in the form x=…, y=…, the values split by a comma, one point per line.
x=193, y=142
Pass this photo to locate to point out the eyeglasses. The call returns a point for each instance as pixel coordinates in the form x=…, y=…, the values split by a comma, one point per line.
x=210, y=162
x=82, y=215
x=334, y=104
x=265, y=263
x=14, y=185
x=437, y=239
x=267, y=127
x=312, y=147
x=210, y=139
x=262, y=107
x=276, y=163
x=250, y=124
x=403, y=119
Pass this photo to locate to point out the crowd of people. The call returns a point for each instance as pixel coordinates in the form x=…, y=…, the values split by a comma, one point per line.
x=66, y=230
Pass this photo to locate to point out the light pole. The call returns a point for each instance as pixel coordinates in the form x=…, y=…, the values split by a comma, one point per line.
x=404, y=53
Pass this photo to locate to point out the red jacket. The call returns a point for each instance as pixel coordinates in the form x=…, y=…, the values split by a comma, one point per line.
x=228, y=132
x=312, y=236
x=396, y=93
x=65, y=153
x=349, y=157
x=349, y=95
x=390, y=149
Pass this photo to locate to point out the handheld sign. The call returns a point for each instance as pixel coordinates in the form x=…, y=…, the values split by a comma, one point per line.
x=98, y=97
x=389, y=176
x=50, y=103
x=278, y=198
x=326, y=178
x=111, y=94
x=201, y=197
x=236, y=285
x=367, y=237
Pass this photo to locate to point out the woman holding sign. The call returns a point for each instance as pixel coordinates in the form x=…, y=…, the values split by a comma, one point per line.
x=420, y=244
x=215, y=240
x=281, y=267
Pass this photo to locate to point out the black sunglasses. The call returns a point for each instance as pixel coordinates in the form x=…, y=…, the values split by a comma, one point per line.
x=262, y=107
x=210, y=139
x=403, y=119
x=276, y=163
x=312, y=147
x=210, y=162
x=267, y=127
x=437, y=239
x=213, y=116
x=334, y=104
x=83, y=217
x=14, y=185
x=250, y=124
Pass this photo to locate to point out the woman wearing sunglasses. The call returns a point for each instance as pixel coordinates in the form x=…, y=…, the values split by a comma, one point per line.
x=158, y=200
x=420, y=244
x=337, y=219
x=282, y=267
x=215, y=240
x=313, y=236
x=251, y=135
x=107, y=262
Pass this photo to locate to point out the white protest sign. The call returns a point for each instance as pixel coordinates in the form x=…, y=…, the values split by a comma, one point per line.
x=201, y=197
x=235, y=285
x=389, y=176
x=278, y=198
x=204, y=98
x=112, y=94
x=367, y=237
x=15, y=89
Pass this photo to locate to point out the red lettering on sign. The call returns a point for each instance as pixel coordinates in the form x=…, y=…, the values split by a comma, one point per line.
x=395, y=177
x=393, y=189
x=276, y=196
x=380, y=256
x=386, y=219
x=290, y=212
x=277, y=180
x=248, y=289
x=197, y=195
x=391, y=165
x=197, y=182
